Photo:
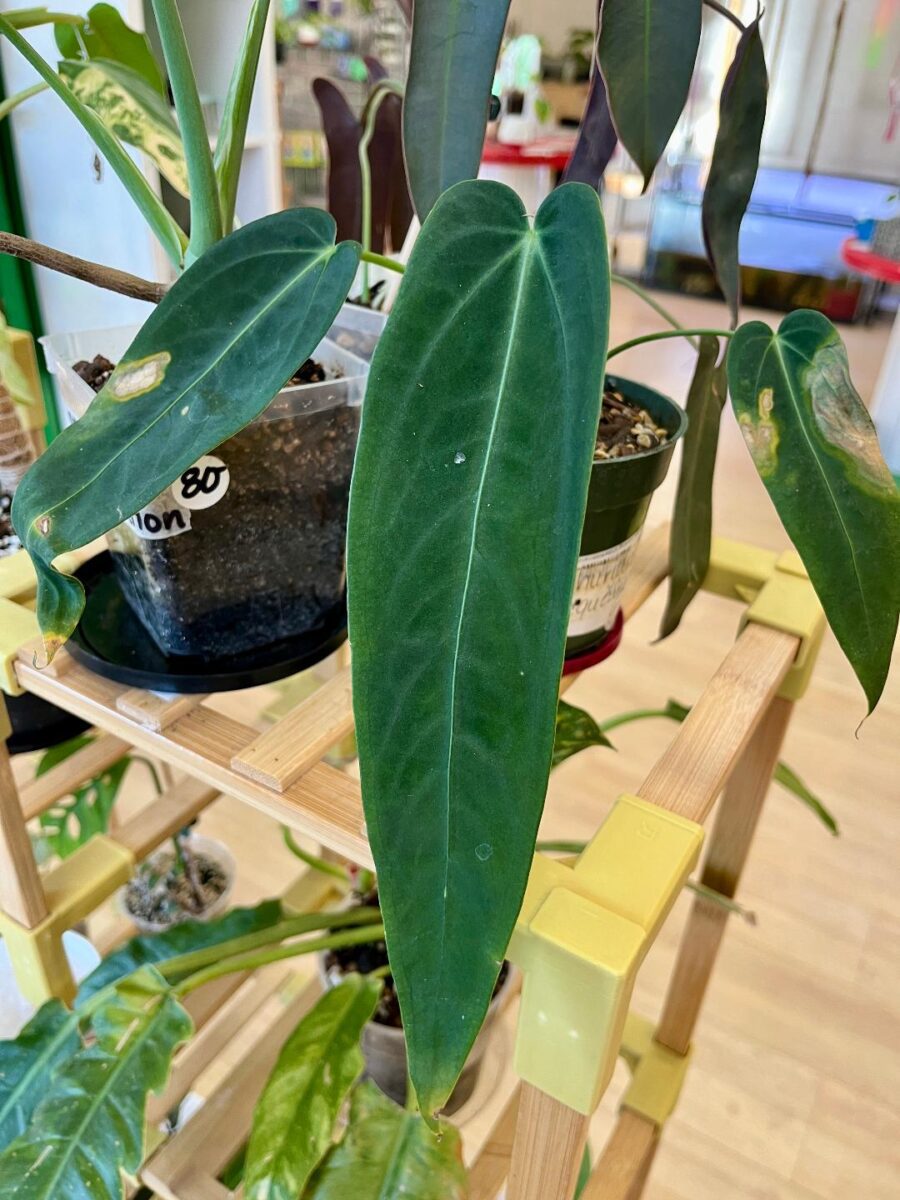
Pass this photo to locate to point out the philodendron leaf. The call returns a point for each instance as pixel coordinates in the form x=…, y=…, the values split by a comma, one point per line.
x=211, y=356
x=817, y=453
x=180, y=939
x=689, y=545
x=575, y=731
x=735, y=161
x=89, y=1125
x=133, y=111
x=27, y=1063
x=232, y=133
x=647, y=51
x=104, y=34
x=390, y=1153
x=293, y=1124
x=445, y=111
x=465, y=517
x=597, y=138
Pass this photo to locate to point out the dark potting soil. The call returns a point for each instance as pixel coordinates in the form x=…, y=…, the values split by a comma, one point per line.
x=625, y=428
x=166, y=896
x=9, y=541
x=266, y=561
x=95, y=373
x=369, y=956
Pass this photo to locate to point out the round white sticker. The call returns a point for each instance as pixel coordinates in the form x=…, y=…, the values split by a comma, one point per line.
x=202, y=485
x=599, y=584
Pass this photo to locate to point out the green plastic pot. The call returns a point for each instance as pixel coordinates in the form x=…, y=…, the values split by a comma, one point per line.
x=619, y=495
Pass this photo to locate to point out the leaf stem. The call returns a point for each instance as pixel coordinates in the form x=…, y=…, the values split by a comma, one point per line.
x=668, y=333
x=727, y=13
x=13, y=102
x=637, y=714
x=80, y=268
x=650, y=301
x=249, y=962
x=312, y=860
x=382, y=260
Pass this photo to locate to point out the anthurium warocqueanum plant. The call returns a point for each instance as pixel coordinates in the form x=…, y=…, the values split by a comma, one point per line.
x=475, y=449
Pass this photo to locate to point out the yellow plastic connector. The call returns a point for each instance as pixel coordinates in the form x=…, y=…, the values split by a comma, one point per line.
x=73, y=889
x=581, y=936
x=778, y=593
x=18, y=625
x=657, y=1073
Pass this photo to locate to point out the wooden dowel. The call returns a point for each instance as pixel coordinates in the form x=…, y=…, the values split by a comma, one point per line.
x=488, y=1173
x=548, y=1148
x=729, y=846
x=165, y=815
x=622, y=1170
x=21, y=892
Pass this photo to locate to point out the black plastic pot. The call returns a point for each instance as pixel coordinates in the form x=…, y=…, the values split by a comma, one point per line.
x=619, y=495
x=37, y=724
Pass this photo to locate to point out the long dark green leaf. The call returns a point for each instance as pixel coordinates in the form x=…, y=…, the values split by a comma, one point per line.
x=180, y=939
x=647, y=51
x=293, y=1124
x=465, y=514
x=451, y=69
x=817, y=452
x=211, y=356
x=233, y=128
x=735, y=161
x=132, y=111
x=689, y=545
x=158, y=218
x=89, y=1126
x=27, y=1063
x=104, y=34
x=576, y=730
x=791, y=782
x=388, y=1153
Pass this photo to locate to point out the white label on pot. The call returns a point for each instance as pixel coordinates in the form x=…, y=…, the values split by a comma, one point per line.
x=599, y=584
x=162, y=518
x=202, y=485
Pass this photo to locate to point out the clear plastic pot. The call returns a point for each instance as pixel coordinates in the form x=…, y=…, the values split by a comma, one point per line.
x=247, y=547
x=358, y=329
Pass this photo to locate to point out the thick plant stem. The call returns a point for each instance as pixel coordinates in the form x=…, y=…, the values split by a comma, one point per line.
x=79, y=268
x=260, y=958
x=194, y=960
x=650, y=301
x=206, y=214
x=668, y=333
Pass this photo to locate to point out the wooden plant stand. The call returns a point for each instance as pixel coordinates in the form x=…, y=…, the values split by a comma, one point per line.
x=585, y=926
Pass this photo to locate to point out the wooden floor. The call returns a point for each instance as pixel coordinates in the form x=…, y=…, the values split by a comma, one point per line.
x=793, y=1091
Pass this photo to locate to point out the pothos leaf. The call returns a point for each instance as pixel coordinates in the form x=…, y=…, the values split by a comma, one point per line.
x=689, y=546
x=388, y=1152
x=293, y=1124
x=575, y=731
x=89, y=1126
x=735, y=161
x=27, y=1063
x=816, y=451
x=211, y=356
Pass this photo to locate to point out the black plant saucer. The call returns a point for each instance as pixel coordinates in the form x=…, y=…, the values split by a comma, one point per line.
x=111, y=641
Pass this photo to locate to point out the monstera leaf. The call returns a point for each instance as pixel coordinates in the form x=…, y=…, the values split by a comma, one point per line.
x=465, y=517
x=27, y=1063
x=647, y=50
x=576, y=730
x=735, y=161
x=451, y=69
x=89, y=1124
x=294, y=1120
x=69, y=823
x=210, y=358
x=390, y=1153
x=817, y=452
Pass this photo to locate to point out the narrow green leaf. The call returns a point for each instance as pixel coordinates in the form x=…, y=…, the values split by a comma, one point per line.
x=89, y=1125
x=27, y=1063
x=791, y=782
x=68, y=824
x=451, y=69
x=735, y=161
x=105, y=34
x=575, y=731
x=691, y=537
x=11, y=103
x=206, y=215
x=647, y=50
x=233, y=128
x=210, y=358
x=465, y=517
x=180, y=939
x=816, y=450
x=158, y=218
x=388, y=1153
x=584, y=1173
x=294, y=1119
x=131, y=110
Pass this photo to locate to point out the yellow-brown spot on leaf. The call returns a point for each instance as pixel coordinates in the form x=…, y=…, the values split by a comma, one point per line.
x=762, y=436
x=42, y=525
x=133, y=379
